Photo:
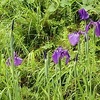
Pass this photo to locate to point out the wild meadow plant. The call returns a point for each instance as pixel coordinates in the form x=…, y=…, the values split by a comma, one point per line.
x=74, y=39
x=11, y=90
x=71, y=72
x=17, y=60
x=86, y=93
x=14, y=89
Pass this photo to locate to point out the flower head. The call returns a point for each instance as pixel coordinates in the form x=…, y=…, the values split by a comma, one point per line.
x=97, y=28
x=17, y=60
x=83, y=14
x=60, y=53
x=45, y=54
x=96, y=25
x=88, y=26
x=74, y=38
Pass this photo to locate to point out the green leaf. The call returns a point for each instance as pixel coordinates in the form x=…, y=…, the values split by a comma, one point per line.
x=52, y=8
x=63, y=3
x=30, y=1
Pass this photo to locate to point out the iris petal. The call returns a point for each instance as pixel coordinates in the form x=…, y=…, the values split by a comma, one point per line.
x=88, y=26
x=73, y=38
x=97, y=29
x=83, y=14
x=96, y=25
x=17, y=60
x=60, y=53
x=67, y=57
x=56, y=57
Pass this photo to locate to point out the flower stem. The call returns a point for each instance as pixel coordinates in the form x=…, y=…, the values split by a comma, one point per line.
x=86, y=54
x=75, y=75
x=60, y=86
x=47, y=64
x=12, y=57
x=12, y=47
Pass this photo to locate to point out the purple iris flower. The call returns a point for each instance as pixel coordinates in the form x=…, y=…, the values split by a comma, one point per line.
x=74, y=38
x=88, y=26
x=97, y=28
x=60, y=53
x=83, y=14
x=96, y=25
x=17, y=60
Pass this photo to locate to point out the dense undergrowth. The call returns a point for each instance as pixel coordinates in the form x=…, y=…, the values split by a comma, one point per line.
x=34, y=29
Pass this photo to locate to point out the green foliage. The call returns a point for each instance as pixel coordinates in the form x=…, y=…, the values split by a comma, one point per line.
x=43, y=25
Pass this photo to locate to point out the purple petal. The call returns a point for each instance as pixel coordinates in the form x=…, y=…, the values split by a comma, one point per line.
x=97, y=29
x=67, y=56
x=15, y=54
x=83, y=14
x=88, y=26
x=17, y=61
x=73, y=38
x=56, y=56
x=60, y=53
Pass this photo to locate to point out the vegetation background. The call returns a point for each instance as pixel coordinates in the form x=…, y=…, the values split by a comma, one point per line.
x=41, y=26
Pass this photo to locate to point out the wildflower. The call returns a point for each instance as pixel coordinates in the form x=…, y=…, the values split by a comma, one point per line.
x=17, y=60
x=83, y=14
x=96, y=25
x=97, y=28
x=74, y=38
x=88, y=26
x=60, y=53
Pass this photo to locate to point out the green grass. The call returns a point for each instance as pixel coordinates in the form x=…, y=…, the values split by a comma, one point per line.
x=44, y=25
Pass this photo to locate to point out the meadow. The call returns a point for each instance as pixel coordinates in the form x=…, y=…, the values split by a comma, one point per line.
x=49, y=49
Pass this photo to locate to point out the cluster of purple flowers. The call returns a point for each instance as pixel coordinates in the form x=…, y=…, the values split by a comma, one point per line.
x=74, y=38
